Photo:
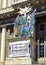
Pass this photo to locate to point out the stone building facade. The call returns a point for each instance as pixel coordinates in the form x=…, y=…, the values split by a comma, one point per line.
x=8, y=13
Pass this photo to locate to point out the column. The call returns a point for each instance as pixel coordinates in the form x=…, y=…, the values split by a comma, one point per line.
x=3, y=45
x=4, y=3
x=0, y=4
x=9, y=2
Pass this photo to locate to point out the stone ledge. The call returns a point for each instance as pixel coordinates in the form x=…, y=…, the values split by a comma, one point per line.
x=42, y=60
x=19, y=61
x=2, y=63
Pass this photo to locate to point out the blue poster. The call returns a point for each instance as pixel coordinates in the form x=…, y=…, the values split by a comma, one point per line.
x=25, y=25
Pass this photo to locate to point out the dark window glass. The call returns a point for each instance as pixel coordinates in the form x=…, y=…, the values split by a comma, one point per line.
x=41, y=50
x=0, y=30
x=42, y=27
x=29, y=48
x=41, y=40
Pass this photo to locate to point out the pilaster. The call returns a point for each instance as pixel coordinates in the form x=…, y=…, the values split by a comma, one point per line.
x=3, y=44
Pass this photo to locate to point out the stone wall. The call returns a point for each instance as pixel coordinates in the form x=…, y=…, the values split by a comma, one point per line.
x=19, y=60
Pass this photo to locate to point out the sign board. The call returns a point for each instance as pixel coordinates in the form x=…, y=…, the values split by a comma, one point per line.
x=19, y=48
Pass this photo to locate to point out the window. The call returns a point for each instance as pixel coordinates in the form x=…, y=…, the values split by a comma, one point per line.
x=42, y=27
x=41, y=40
x=41, y=50
x=41, y=47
